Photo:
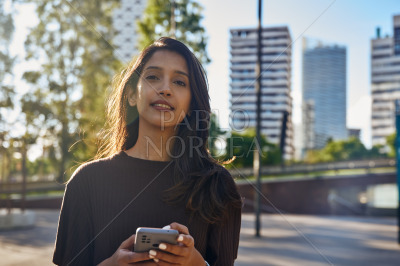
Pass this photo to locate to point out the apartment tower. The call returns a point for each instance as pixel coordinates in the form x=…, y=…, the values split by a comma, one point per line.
x=385, y=82
x=275, y=83
x=125, y=19
x=324, y=93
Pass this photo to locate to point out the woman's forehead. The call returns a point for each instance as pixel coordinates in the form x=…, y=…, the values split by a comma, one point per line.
x=164, y=59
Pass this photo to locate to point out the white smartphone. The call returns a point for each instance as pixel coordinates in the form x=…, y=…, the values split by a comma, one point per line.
x=149, y=238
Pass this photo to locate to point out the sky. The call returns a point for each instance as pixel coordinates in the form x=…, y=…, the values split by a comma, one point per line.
x=348, y=23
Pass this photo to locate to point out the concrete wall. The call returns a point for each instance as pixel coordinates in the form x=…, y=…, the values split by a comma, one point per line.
x=324, y=195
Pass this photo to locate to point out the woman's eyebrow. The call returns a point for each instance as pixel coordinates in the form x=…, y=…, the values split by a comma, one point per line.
x=159, y=68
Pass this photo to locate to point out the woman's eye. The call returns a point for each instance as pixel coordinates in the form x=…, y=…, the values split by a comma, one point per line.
x=151, y=77
x=180, y=83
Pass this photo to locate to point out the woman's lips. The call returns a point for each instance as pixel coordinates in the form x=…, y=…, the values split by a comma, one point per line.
x=162, y=107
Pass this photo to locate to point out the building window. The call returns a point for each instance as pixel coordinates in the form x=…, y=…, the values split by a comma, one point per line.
x=397, y=34
x=381, y=47
x=397, y=41
x=397, y=48
x=380, y=56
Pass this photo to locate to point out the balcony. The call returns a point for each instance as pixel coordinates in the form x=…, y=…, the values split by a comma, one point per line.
x=251, y=59
x=245, y=85
x=388, y=96
x=383, y=131
x=243, y=98
x=388, y=122
x=265, y=90
x=387, y=51
x=386, y=78
x=386, y=69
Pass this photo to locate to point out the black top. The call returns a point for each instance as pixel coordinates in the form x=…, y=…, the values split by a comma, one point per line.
x=108, y=199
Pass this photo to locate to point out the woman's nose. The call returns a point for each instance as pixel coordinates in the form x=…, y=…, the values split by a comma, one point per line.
x=164, y=93
x=165, y=90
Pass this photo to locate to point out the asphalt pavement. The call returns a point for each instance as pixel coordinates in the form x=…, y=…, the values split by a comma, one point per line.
x=285, y=240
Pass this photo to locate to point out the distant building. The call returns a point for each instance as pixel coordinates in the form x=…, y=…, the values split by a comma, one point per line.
x=308, y=122
x=276, y=82
x=125, y=22
x=385, y=82
x=354, y=132
x=297, y=141
x=324, y=94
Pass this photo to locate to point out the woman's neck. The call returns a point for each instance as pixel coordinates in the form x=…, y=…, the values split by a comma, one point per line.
x=153, y=143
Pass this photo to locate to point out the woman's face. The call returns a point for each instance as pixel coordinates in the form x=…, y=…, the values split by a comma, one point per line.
x=163, y=92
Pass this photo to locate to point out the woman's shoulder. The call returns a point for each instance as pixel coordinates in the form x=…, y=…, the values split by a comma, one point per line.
x=223, y=173
x=226, y=181
x=95, y=168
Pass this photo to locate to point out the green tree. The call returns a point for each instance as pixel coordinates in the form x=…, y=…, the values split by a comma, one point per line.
x=215, y=134
x=345, y=150
x=341, y=150
x=41, y=167
x=71, y=42
x=377, y=151
x=6, y=61
x=156, y=22
x=6, y=88
x=242, y=146
x=391, y=141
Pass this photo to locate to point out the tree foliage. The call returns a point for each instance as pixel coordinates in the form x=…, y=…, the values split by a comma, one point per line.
x=215, y=133
x=66, y=101
x=156, y=22
x=6, y=89
x=391, y=142
x=6, y=60
x=350, y=149
x=242, y=146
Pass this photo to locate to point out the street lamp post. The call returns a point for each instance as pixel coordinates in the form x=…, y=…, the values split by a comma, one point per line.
x=258, y=150
x=397, y=146
x=173, y=21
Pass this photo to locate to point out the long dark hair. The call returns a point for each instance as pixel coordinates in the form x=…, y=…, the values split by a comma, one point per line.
x=200, y=182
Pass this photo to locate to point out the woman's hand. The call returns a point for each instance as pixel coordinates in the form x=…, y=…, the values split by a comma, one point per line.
x=182, y=254
x=125, y=256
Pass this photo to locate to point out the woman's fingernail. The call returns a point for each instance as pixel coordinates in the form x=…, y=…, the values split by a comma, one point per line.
x=167, y=227
x=180, y=238
x=156, y=260
x=152, y=253
x=162, y=246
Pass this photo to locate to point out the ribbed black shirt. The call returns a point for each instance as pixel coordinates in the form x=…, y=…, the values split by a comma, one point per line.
x=107, y=199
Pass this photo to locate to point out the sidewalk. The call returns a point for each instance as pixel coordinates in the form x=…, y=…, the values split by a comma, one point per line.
x=319, y=240
x=286, y=240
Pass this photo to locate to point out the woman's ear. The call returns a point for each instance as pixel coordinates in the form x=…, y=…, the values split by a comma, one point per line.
x=132, y=98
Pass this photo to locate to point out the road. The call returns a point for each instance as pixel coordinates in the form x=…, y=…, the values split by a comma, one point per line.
x=286, y=240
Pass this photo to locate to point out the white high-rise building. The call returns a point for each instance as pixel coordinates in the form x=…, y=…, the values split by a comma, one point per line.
x=125, y=22
x=275, y=82
x=385, y=82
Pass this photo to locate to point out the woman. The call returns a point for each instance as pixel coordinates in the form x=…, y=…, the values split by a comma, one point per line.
x=157, y=172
